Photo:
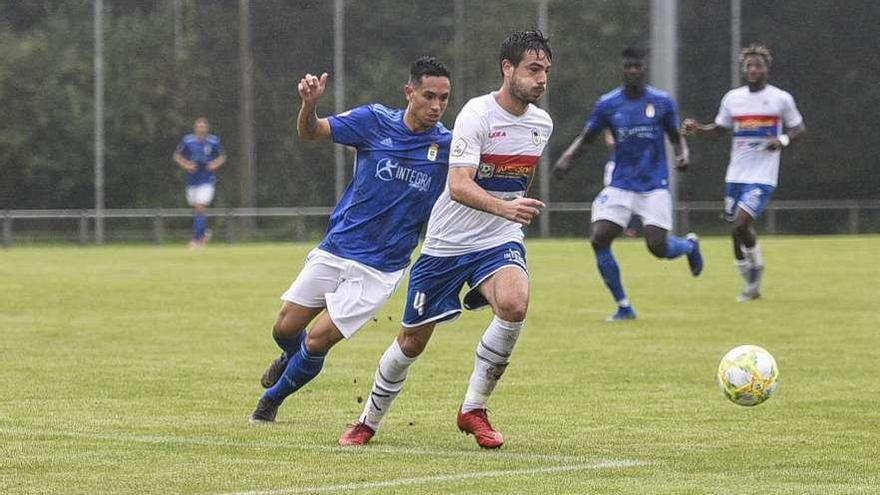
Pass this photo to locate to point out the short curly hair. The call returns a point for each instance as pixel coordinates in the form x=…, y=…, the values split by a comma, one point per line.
x=756, y=49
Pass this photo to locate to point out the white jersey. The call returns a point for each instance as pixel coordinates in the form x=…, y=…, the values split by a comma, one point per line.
x=504, y=148
x=755, y=118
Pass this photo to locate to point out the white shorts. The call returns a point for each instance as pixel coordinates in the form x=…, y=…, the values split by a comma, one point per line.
x=351, y=291
x=618, y=206
x=202, y=194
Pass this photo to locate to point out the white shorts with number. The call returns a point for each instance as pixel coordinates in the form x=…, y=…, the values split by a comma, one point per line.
x=352, y=292
x=618, y=206
x=202, y=194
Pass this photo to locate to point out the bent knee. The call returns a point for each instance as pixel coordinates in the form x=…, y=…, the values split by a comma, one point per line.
x=658, y=249
x=512, y=310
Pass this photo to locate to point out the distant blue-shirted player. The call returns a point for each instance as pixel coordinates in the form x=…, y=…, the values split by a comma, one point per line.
x=200, y=154
x=640, y=117
x=402, y=163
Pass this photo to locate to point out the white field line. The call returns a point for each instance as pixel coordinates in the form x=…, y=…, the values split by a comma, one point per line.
x=603, y=464
x=258, y=444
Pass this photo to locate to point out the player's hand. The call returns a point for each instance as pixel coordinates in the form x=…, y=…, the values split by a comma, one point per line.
x=522, y=210
x=774, y=144
x=682, y=162
x=312, y=87
x=689, y=126
x=562, y=166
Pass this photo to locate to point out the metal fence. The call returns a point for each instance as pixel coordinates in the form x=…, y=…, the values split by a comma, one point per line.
x=848, y=217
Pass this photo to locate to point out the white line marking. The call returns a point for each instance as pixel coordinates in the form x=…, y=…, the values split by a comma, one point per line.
x=258, y=444
x=604, y=464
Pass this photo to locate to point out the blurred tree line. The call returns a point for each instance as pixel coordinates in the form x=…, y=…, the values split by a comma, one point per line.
x=159, y=80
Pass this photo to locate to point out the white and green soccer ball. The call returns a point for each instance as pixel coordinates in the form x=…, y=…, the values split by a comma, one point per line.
x=748, y=375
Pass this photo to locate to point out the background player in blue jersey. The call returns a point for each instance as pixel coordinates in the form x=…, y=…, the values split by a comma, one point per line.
x=200, y=154
x=639, y=117
x=402, y=162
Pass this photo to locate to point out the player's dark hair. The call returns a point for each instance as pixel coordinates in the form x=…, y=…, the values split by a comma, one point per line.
x=632, y=52
x=426, y=66
x=756, y=49
x=516, y=45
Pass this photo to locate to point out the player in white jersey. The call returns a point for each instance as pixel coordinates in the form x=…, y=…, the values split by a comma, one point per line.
x=475, y=237
x=763, y=119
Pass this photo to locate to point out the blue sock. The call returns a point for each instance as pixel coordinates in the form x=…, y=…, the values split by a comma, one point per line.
x=676, y=246
x=301, y=368
x=610, y=273
x=290, y=345
x=200, y=223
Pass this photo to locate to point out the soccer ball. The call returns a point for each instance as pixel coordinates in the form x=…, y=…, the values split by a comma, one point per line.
x=748, y=375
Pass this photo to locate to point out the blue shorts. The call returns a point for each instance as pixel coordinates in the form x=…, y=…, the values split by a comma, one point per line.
x=752, y=198
x=435, y=282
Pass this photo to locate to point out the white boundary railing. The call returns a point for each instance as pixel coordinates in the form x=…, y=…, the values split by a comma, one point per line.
x=85, y=218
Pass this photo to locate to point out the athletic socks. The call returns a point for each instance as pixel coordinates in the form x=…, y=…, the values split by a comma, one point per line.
x=290, y=345
x=388, y=382
x=200, y=224
x=492, y=357
x=677, y=246
x=301, y=368
x=610, y=272
x=744, y=267
x=755, y=257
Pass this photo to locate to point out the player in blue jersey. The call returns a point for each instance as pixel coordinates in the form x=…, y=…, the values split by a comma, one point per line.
x=200, y=154
x=402, y=162
x=640, y=116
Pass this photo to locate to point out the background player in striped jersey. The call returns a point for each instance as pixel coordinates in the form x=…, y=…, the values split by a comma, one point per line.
x=763, y=119
x=475, y=237
x=639, y=117
x=402, y=163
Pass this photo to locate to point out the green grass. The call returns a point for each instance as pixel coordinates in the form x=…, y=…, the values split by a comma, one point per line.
x=134, y=369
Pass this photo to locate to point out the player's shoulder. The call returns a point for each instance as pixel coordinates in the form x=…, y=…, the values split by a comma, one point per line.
x=779, y=92
x=614, y=95
x=382, y=112
x=189, y=138
x=479, y=105
x=213, y=139
x=540, y=116
x=655, y=92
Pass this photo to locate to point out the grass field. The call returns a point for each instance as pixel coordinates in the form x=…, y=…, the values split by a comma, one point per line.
x=134, y=370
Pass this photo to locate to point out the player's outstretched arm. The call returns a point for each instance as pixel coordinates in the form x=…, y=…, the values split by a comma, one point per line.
x=680, y=148
x=308, y=125
x=463, y=189
x=692, y=127
x=566, y=160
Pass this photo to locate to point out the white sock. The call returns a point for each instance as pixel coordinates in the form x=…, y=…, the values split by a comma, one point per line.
x=744, y=266
x=493, y=354
x=387, y=383
x=754, y=256
x=756, y=259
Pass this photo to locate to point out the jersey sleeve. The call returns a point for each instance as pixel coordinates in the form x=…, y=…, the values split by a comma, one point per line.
x=724, y=118
x=182, y=149
x=597, y=122
x=791, y=117
x=218, y=149
x=351, y=128
x=467, y=140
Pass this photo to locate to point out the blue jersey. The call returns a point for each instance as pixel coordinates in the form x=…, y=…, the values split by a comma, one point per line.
x=398, y=176
x=201, y=152
x=639, y=126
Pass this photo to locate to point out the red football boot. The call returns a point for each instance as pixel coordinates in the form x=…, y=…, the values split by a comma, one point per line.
x=356, y=434
x=476, y=423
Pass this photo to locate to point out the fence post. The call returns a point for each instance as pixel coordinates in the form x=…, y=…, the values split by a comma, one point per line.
x=853, y=219
x=83, y=228
x=7, y=229
x=158, y=227
x=230, y=227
